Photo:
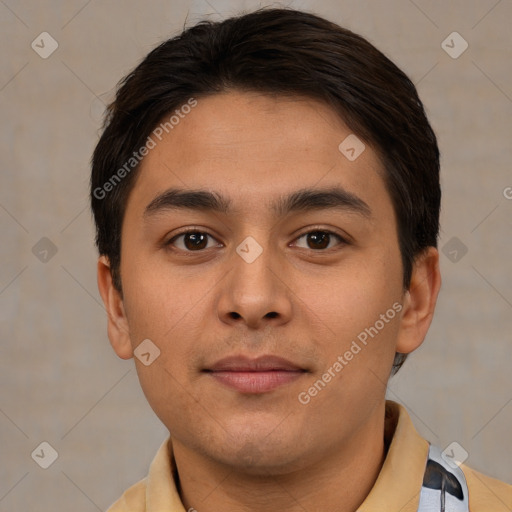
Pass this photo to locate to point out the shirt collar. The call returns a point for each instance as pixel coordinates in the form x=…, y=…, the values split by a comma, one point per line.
x=398, y=485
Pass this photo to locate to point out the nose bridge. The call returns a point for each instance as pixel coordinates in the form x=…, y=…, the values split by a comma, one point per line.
x=255, y=290
x=252, y=262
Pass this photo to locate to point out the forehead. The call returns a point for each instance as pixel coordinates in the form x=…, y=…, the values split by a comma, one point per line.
x=253, y=146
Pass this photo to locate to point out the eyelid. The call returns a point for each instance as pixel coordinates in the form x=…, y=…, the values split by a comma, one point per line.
x=311, y=229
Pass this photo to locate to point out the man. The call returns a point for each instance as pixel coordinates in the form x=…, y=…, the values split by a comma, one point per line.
x=266, y=197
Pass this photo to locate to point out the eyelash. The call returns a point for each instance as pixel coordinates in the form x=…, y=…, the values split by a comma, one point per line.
x=342, y=240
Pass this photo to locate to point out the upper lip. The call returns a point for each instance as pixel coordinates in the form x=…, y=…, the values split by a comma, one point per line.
x=258, y=364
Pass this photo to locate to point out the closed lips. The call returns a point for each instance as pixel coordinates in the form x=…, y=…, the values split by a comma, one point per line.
x=259, y=364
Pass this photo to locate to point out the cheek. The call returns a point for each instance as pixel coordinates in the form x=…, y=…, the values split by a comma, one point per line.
x=158, y=310
x=156, y=297
x=359, y=306
x=355, y=294
x=168, y=309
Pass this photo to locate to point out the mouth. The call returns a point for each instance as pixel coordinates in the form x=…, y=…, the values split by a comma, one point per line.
x=253, y=376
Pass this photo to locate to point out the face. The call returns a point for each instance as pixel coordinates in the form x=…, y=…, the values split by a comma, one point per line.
x=277, y=316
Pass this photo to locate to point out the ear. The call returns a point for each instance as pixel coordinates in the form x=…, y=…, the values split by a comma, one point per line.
x=118, y=330
x=419, y=301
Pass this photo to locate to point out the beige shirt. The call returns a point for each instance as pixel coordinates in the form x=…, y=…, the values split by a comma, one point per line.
x=397, y=488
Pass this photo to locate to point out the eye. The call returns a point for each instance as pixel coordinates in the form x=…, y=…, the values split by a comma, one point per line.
x=320, y=239
x=192, y=240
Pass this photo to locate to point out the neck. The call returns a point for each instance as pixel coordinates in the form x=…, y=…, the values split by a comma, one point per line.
x=339, y=481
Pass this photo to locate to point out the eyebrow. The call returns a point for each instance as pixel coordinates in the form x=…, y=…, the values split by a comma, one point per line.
x=303, y=200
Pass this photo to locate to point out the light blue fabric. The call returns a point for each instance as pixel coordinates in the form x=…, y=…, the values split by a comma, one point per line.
x=444, y=486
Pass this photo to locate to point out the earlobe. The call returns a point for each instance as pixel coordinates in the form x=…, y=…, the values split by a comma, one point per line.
x=419, y=301
x=118, y=330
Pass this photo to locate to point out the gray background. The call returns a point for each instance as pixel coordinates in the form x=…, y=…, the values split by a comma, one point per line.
x=60, y=380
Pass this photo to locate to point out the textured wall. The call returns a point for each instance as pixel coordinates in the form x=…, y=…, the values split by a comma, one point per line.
x=60, y=380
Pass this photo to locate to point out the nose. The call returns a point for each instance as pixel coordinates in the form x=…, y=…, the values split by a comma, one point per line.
x=255, y=292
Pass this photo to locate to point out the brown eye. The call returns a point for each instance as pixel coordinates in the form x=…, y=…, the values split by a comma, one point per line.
x=191, y=241
x=194, y=241
x=320, y=239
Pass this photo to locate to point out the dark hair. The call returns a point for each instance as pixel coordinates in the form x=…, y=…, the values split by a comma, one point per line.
x=278, y=52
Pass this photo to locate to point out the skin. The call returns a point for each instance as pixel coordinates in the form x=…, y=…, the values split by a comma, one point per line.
x=236, y=451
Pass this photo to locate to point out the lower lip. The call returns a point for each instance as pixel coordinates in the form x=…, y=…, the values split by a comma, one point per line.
x=256, y=382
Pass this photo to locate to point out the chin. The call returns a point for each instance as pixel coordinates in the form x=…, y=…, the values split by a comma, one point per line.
x=251, y=460
x=260, y=456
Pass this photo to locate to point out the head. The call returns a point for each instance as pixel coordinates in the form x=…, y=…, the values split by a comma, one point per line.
x=285, y=128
